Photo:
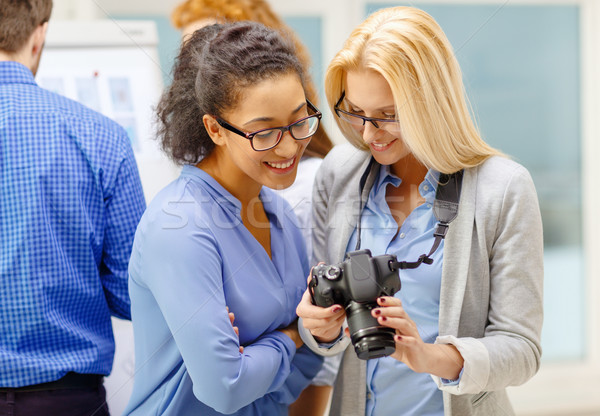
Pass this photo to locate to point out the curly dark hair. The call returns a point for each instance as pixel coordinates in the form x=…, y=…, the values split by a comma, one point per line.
x=213, y=67
x=190, y=11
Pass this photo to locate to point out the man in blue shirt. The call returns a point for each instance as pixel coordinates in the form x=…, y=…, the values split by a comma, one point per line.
x=70, y=200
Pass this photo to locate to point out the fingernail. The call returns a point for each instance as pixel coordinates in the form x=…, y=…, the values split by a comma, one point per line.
x=377, y=312
x=383, y=318
x=398, y=338
x=382, y=300
x=337, y=309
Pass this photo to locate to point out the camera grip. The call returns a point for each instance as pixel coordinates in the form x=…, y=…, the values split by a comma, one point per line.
x=324, y=295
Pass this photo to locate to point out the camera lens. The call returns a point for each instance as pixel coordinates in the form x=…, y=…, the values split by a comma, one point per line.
x=370, y=339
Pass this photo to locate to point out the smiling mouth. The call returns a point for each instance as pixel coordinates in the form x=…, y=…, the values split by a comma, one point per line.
x=378, y=146
x=282, y=166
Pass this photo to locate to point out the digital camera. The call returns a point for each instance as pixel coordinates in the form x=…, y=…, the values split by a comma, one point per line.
x=356, y=283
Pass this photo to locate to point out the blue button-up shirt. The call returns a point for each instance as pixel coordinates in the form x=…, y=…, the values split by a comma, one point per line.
x=393, y=388
x=70, y=199
x=192, y=258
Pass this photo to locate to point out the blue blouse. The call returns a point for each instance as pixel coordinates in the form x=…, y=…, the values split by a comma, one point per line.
x=192, y=258
x=393, y=388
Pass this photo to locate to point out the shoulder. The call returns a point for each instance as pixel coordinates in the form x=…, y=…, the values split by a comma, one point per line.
x=499, y=170
x=496, y=177
x=182, y=203
x=343, y=163
x=501, y=185
x=345, y=157
x=81, y=121
x=309, y=164
x=180, y=212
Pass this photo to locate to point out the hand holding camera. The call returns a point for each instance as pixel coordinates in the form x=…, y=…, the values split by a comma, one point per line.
x=356, y=284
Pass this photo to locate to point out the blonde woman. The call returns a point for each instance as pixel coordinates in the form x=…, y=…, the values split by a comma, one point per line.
x=467, y=325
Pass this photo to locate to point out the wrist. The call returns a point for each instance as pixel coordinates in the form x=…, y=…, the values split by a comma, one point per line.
x=444, y=361
x=327, y=339
x=330, y=341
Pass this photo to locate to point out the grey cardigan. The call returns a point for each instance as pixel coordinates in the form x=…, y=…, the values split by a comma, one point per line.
x=491, y=292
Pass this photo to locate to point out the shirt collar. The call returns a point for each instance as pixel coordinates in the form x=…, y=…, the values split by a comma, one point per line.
x=12, y=72
x=429, y=185
x=221, y=195
x=272, y=203
x=385, y=177
x=427, y=188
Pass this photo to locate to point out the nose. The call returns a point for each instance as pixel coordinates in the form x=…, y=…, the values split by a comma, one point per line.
x=371, y=133
x=287, y=147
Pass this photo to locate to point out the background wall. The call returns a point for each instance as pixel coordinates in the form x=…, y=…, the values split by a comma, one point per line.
x=531, y=69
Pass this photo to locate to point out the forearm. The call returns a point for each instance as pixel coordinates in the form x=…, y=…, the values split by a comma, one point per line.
x=443, y=360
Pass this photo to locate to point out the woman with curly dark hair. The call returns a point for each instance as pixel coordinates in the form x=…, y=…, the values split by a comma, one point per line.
x=190, y=15
x=216, y=242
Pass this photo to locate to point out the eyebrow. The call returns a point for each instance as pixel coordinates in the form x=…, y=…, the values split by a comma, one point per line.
x=254, y=120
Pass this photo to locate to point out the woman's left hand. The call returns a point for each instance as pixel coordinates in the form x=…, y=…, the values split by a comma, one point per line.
x=410, y=348
x=442, y=360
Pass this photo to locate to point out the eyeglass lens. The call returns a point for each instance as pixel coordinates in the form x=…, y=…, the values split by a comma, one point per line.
x=357, y=121
x=300, y=130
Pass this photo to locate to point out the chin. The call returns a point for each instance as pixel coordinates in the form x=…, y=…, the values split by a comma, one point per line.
x=279, y=185
x=385, y=159
x=282, y=182
x=390, y=157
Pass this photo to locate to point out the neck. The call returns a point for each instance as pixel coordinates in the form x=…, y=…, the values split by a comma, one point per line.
x=239, y=185
x=15, y=57
x=7, y=56
x=410, y=170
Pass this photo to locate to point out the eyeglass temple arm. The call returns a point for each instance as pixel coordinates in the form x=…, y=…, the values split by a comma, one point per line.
x=312, y=107
x=229, y=127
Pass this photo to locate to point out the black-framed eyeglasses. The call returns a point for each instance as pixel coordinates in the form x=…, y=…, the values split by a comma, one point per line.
x=355, y=120
x=266, y=139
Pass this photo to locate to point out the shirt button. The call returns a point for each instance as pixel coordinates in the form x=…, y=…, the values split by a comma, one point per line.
x=369, y=396
x=426, y=187
x=402, y=235
x=428, y=205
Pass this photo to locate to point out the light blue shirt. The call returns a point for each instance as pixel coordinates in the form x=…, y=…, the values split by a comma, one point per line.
x=192, y=257
x=393, y=388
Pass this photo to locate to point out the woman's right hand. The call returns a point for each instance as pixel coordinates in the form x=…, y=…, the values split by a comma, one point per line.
x=323, y=323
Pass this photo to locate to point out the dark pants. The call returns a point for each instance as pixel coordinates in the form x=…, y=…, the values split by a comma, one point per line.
x=62, y=402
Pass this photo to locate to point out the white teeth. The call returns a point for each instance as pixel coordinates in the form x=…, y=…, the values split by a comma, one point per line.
x=281, y=165
x=379, y=146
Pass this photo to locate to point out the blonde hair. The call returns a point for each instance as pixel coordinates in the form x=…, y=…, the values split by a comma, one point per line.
x=190, y=11
x=409, y=49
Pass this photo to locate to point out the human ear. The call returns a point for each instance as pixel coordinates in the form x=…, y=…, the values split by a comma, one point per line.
x=38, y=37
x=213, y=129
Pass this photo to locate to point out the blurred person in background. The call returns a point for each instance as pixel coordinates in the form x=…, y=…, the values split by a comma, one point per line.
x=70, y=201
x=217, y=247
x=191, y=15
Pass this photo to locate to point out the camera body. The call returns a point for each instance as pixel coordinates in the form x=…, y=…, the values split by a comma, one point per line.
x=356, y=283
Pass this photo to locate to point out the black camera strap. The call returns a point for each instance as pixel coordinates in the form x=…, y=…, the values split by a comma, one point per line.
x=445, y=209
